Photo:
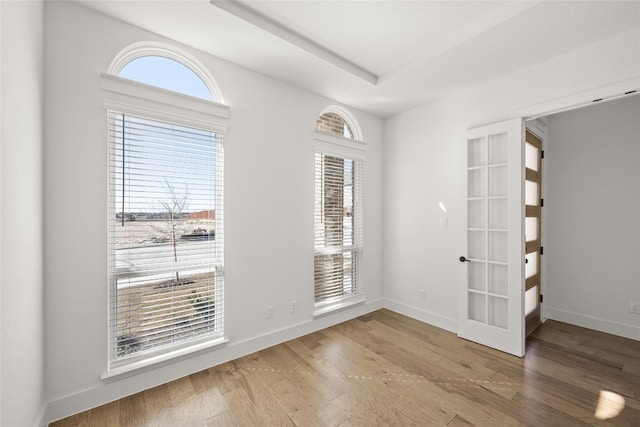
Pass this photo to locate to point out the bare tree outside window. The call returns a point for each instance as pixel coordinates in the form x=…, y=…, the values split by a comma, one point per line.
x=173, y=209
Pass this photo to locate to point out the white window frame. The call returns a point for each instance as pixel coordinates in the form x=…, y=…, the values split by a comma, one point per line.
x=134, y=98
x=151, y=48
x=353, y=149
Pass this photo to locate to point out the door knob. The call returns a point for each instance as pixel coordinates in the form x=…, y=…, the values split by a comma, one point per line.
x=463, y=259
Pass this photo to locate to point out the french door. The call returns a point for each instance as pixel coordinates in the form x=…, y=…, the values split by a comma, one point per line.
x=492, y=293
x=533, y=230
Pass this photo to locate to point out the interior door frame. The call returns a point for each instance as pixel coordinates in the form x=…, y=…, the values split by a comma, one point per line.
x=539, y=127
x=533, y=319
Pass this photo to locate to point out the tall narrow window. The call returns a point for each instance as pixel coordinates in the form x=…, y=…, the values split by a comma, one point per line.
x=165, y=212
x=166, y=188
x=337, y=216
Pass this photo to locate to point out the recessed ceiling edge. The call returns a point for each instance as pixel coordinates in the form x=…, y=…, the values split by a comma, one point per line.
x=246, y=13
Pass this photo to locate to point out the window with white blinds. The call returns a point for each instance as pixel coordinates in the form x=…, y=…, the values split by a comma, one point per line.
x=338, y=229
x=165, y=236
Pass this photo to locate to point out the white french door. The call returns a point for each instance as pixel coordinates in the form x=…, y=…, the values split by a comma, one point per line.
x=492, y=293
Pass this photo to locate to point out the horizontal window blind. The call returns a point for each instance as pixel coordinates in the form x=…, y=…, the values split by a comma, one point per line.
x=338, y=229
x=165, y=236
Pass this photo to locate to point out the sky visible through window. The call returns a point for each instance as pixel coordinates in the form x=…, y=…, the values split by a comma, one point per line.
x=156, y=156
x=167, y=74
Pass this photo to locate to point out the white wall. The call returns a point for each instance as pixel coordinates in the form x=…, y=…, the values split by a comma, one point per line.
x=424, y=163
x=592, y=215
x=268, y=211
x=22, y=356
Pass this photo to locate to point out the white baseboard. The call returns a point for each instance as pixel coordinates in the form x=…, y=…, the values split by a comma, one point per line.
x=40, y=421
x=615, y=328
x=425, y=316
x=106, y=392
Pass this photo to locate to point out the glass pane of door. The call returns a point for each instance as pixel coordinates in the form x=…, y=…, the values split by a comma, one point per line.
x=487, y=213
x=531, y=157
x=530, y=300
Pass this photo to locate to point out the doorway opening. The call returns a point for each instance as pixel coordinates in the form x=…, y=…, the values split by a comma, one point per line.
x=588, y=275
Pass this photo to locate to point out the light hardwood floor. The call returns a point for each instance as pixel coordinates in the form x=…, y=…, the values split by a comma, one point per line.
x=388, y=369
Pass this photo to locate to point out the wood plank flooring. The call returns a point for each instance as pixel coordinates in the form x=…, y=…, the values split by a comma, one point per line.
x=388, y=369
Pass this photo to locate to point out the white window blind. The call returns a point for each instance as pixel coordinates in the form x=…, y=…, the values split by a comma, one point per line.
x=338, y=229
x=165, y=236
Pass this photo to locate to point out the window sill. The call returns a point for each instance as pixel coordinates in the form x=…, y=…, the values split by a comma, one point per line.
x=161, y=359
x=340, y=305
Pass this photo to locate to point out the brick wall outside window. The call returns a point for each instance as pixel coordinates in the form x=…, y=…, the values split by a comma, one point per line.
x=333, y=123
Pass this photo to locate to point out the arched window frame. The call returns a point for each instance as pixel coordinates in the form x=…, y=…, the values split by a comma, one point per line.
x=142, y=49
x=353, y=149
x=349, y=119
x=151, y=102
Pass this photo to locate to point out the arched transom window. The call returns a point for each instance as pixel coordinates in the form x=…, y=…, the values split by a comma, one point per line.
x=335, y=124
x=166, y=67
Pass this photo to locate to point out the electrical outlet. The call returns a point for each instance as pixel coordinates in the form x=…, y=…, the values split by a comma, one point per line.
x=423, y=294
x=634, y=307
x=294, y=306
x=444, y=223
x=270, y=311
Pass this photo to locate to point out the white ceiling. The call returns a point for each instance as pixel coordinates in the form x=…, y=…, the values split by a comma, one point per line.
x=380, y=56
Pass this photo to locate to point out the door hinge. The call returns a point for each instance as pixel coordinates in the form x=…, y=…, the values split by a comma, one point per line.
x=541, y=250
x=540, y=297
x=541, y=203
x=542, y=154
